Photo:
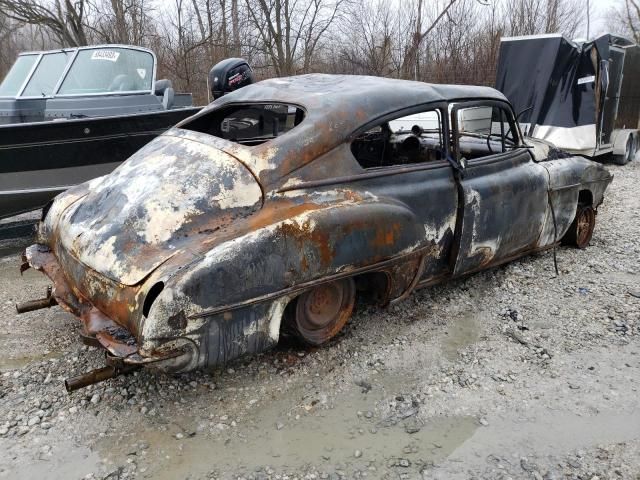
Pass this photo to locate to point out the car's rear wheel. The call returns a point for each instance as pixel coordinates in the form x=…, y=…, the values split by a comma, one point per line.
x=581, y=230
x=320, y=313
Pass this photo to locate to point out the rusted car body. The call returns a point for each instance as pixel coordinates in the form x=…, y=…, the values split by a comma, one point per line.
x=209, y=242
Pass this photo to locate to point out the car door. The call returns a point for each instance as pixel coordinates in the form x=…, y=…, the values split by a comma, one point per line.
x=406, y=161
x=503, y=192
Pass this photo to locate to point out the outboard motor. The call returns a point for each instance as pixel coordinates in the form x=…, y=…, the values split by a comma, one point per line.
x=229, y=75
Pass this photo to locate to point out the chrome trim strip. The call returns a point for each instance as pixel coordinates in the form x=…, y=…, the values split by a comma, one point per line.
x=564, y=187
x=83, y=139
x=87, y=119
x=34, y=190
x=103, y=94
x=574, y=185
x=367, y=174
x=293, y=289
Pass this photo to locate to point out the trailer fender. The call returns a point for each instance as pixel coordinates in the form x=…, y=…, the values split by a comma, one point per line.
x=621, y=152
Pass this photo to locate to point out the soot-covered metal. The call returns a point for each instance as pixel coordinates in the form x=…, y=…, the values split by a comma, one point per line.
x=200, y=249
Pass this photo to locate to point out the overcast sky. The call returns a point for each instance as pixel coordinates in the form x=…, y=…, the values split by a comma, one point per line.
x=599, y=11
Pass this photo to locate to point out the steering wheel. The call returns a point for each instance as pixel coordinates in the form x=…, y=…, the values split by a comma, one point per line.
x=499, y=135
x=489, y=142
x=121, y=83
x=411, y=145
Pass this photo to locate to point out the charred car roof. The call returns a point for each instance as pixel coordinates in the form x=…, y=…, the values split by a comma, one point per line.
x=356, y=96
x=335, y=106
x=339, y=93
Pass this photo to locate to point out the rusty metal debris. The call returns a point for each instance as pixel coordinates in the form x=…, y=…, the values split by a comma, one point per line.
x=278, y=203
x=96, y=376
x=30, y=306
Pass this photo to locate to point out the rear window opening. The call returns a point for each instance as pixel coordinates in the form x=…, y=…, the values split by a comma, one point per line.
x=248, y=124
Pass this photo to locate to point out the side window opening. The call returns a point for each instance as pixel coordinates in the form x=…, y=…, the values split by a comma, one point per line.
x=406, y=140
x=484, y=131
x=248, y=124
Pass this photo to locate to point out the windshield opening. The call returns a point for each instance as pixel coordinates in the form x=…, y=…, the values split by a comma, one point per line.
x=47, y=73
x=12, y=83
x=248, y=124
x=109, y=70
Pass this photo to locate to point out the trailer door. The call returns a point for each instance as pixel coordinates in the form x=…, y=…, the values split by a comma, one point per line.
x=613, y=69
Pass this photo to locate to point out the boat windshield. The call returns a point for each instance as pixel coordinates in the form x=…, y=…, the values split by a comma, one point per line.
x=92, y=71
x=108, y=70
x=16, y=77
x=47, y=73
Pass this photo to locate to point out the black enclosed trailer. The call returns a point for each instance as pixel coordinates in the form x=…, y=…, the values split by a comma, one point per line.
x=582, y=97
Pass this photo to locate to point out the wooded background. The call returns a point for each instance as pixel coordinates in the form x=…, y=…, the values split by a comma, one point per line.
x=444, y=41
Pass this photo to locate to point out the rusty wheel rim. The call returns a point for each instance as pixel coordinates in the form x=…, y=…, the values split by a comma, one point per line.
x=323, y=311
x=585, y=224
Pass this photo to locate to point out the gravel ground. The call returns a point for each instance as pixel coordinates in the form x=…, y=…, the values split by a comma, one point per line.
x=511, y=373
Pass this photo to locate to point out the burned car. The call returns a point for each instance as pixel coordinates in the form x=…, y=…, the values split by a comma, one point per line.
x=271, y=208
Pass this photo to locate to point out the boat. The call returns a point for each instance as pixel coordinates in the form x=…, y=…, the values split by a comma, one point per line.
x=73, y=114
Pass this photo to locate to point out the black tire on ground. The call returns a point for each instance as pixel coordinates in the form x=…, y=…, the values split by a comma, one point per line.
x=629, y=152
x=320, y=313
x=581, y=230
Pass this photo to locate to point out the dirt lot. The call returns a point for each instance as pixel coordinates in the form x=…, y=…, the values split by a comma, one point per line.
x=511, y=373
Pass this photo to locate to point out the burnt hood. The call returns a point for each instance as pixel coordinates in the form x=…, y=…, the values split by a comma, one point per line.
x=132, y=220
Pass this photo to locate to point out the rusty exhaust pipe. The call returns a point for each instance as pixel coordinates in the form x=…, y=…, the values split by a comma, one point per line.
x=32, y=305
x=96, y=376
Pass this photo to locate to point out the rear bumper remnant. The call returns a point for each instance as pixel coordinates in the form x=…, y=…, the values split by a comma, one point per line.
x=98, y=329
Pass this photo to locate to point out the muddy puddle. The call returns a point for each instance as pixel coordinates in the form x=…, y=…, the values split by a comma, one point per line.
x=9, y=360
x=64, y=461
x=286, y=436
x=545, y=432
x=461, y=333
x=17, y=345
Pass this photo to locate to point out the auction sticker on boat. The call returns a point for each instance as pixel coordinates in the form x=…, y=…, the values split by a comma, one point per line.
x=110, y=55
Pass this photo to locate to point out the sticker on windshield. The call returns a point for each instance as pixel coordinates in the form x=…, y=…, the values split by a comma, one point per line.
x=109, y=55
x=142, y=72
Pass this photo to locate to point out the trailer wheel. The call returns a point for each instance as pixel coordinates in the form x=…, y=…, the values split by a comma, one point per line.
x=581, y=230
x=629, y=152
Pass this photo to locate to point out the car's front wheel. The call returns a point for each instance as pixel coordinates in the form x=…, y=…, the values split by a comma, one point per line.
x=581, y=230
x=320, y=313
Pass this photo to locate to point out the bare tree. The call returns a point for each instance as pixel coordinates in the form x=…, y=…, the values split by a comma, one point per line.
x=632, y=18
x=449, y=41
x=290, y=30
x=121, y=21
x=410, y=63
x=365, y=46
x=65, y=19
x=529, y=17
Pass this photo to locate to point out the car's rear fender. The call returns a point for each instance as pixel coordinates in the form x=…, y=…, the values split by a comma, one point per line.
x=261, y=270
